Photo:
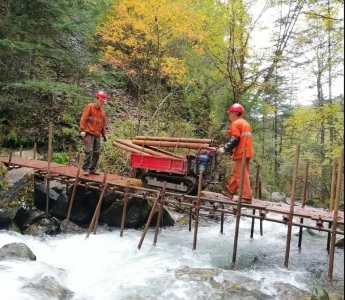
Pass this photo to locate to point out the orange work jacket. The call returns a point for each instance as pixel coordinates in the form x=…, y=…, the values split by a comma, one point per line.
x=240, y=128
x=93, y=120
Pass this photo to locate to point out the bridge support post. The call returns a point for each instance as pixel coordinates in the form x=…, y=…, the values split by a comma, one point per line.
x=73, y=193
x=99, y=205
x=304, y=195
x=238, y=212
x=292, y=203
x=160, y=213
x=149, y=219
x=197, y=210
x=335, y=214
x=125, y=201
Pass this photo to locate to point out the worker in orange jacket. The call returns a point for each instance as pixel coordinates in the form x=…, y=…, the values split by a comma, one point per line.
x=92, y=127
x=240, y=138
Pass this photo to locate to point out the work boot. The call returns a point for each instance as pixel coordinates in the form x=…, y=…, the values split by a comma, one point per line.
x=86, y=172
x=227, y=193
x=94, y=172
x=248, y=201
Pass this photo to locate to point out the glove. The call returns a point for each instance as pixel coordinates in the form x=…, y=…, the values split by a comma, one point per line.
x=104, y=138
x=83, y=134
x=221, y=150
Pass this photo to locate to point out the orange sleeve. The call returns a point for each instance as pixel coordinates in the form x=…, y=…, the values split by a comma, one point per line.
x=235, y=129
x=84, y=118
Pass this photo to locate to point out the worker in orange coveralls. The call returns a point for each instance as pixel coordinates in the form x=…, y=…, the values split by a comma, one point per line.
x=92, y=127
x=240, y=138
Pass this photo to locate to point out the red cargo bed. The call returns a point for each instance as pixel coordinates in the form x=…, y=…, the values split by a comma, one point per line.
x=161, y=164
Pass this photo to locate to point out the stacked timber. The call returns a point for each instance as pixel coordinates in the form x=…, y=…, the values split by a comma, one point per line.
x=173, y=142
x=150, y=145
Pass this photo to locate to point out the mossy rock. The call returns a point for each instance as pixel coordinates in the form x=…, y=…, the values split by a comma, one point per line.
x=319, y=293
x=3, y=170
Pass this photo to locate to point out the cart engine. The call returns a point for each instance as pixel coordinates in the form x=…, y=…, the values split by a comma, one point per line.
x=206, y=162
x=181, y=175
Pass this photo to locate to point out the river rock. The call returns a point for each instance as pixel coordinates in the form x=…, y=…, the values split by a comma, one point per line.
x=136, y=216
x=340, y=243
x=80, y=213
x=45, y=226
x=278, y=197
x=40, y=196
x=24, y=218
x=72, y=228
x=167, y=219
x=16, y=192
x=47, y=287
x=16, y=251
x=319, y=293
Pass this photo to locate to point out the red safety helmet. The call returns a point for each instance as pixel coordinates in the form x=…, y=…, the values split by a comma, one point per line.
x=101, y=95
x=236, y=108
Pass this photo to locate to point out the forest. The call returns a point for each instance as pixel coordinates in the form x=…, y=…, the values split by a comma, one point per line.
x=172, y=68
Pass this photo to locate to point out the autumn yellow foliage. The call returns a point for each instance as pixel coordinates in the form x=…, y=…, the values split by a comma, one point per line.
x=141, y=37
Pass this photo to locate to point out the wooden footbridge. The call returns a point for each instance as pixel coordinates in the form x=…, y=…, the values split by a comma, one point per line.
x=204, y=201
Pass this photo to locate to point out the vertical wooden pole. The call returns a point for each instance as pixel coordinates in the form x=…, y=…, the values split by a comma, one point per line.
x=149, y=219
x=334, y=172
x=292, y=203
x=190, y=217
x=238, y=212
x=197, y=210
x=35, y=150
x=10, y=160
x=223, y=188
x=256, y=192
x=73, y=192
x=20, y=150
x=252, y=227
x=222, y=220
x=331, y=199
x=304, y=195
x=335, y=214
x=329, y=237
x=94, y=221
x=49, y=161
x=260, y=197
x=69, y=154
x=99, y=205
x=160, y=213
x=124, y=210
x=224, y=181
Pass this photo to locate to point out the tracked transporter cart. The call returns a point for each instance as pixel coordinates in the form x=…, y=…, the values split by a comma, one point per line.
x=155, y=166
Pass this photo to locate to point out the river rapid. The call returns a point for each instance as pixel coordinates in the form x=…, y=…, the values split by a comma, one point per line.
x=106, y=266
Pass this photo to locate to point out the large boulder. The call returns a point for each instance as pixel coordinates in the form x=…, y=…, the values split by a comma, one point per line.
x=80, y=213
x=45, y=226
x=16, y=251
x=40, y=196
x=71, y=227
x=136, y=215
x=16, y=193
x=24, y=218
x=278, y=197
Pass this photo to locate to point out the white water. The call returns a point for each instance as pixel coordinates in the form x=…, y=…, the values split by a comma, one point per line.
x=106, y=266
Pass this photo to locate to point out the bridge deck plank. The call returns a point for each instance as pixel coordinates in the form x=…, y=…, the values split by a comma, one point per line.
x=71, y=172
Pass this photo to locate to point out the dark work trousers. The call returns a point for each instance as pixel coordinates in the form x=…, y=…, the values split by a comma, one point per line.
x=92, y=150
